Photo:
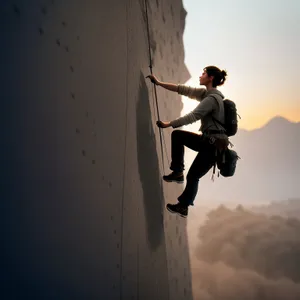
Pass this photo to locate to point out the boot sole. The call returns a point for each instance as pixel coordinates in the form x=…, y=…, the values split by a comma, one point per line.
x=175, y=212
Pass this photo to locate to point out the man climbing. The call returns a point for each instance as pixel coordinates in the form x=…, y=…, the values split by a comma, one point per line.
x=210, y=111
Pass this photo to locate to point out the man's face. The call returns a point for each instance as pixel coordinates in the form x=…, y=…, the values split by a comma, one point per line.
x=205, y=79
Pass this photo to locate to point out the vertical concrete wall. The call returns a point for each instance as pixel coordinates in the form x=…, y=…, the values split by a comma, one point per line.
x=82, y=201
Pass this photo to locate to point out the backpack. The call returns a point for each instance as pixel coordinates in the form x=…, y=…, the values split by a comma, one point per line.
x=231, y=121
x=227, y=161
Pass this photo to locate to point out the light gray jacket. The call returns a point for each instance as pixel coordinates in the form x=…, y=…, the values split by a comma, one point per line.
x=207, y=108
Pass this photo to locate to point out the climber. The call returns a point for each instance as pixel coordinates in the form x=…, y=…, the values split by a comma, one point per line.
x=211, y=139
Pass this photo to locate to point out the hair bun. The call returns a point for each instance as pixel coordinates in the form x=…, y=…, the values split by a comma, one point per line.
x=224, y=73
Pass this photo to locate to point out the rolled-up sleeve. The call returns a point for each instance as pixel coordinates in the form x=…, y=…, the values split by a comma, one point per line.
x=203, y=108
x=192, y=92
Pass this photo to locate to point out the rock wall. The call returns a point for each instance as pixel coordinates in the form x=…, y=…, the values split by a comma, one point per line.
x=83, y=204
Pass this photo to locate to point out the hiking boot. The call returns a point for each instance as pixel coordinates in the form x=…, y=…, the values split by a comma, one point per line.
x=174, y=177
x=178, y=208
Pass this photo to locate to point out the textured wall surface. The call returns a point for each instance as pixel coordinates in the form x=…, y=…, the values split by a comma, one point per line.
x=82, y=201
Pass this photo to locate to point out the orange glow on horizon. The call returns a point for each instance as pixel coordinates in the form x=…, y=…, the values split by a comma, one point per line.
x=253, y=120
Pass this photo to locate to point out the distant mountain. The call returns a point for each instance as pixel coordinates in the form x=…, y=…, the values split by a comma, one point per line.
x=269, y=168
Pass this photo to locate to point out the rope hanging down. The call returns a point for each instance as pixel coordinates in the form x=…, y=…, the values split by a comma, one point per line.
x=155, y=93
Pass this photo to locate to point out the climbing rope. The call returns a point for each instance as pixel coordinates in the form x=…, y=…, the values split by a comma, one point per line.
x=155, y=93
x=160, y=129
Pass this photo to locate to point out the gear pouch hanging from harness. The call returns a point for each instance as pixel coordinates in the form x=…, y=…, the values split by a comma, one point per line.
x=226, y=162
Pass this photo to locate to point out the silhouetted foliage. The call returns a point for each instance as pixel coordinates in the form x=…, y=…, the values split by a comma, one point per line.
x=246, y=255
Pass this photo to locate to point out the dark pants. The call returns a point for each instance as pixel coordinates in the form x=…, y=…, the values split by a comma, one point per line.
x=203, y=162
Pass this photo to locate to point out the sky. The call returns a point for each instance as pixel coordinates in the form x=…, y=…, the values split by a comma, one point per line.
x=258, y=44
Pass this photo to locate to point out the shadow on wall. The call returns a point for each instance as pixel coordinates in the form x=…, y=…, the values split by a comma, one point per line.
x=149, y=167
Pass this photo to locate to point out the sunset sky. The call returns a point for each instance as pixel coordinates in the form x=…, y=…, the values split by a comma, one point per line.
x=258, y=43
